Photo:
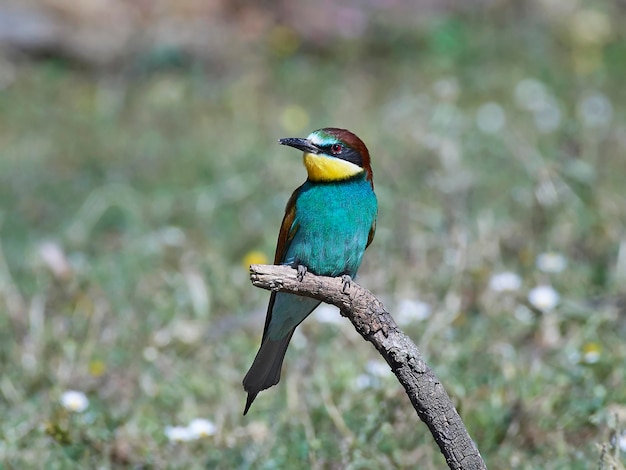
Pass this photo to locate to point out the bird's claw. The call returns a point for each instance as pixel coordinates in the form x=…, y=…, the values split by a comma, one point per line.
x=302, y=270
x=347, y=281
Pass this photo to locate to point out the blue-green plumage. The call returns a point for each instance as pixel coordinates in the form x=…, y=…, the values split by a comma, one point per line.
x=334, y=221
x=329, y=222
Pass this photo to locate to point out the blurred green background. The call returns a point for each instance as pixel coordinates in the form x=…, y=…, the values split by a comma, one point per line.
x=140, y=175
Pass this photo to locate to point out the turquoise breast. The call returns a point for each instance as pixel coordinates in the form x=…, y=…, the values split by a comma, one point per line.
x=333, y=223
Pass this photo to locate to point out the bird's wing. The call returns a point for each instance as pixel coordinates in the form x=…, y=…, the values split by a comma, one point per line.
x=288, y=229
x=370, y=237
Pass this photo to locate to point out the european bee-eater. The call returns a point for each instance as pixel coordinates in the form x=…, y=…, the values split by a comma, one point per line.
x=328, y=223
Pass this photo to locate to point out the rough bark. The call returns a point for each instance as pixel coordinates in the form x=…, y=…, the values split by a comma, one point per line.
x=375, y=324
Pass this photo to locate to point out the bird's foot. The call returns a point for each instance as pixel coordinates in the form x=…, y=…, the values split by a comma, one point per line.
x=302, y=270
x=347, y=281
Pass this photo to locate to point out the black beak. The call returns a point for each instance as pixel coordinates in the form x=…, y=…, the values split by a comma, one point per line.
x=300, y=144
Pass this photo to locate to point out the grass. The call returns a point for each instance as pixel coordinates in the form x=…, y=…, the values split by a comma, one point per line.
x=130, y=204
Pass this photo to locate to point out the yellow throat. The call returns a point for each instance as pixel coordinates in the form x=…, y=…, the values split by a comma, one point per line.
x=323, y=168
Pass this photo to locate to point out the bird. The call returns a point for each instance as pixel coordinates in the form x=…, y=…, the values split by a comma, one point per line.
x=329, y=221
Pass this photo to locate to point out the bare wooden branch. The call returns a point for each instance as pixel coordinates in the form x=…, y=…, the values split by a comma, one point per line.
x=375, y=324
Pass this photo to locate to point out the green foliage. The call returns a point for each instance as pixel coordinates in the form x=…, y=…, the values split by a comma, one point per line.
x=128, y=206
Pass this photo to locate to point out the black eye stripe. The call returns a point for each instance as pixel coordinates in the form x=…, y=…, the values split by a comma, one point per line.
x=348, y=154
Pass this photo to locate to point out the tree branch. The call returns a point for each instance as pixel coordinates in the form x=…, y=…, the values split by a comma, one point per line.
x=375, y=324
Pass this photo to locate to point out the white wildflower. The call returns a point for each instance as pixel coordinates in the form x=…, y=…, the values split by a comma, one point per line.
x=591, y=357
x=524, y=314
x=621, y=441
x=505, y=281
x=201, y=427
x=55, y=258
x=551, y=262
x=411, y=310
x=530, y=94
x=378, y=368
x=546, y=193
x=490, y=118
x=186, y=331
x=150, y=353
x=447, y=89
x=162, y=337
x=595, y=110
x=172, y=236
x=179, y=434
x=328, y=314
x=364, y=381
x=75, y=401
x=547, y=118
x=591, y=353
x=544, y=298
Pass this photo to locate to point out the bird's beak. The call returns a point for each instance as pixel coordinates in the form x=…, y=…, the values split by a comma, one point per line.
x=301, y=144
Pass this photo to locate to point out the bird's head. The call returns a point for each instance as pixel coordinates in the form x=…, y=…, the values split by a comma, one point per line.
x=332, y=154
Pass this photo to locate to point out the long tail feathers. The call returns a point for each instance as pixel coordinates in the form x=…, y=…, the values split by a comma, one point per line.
x=249, y=400
x=265, y=370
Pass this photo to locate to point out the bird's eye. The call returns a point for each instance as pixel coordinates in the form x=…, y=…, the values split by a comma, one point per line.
x=336, y=149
